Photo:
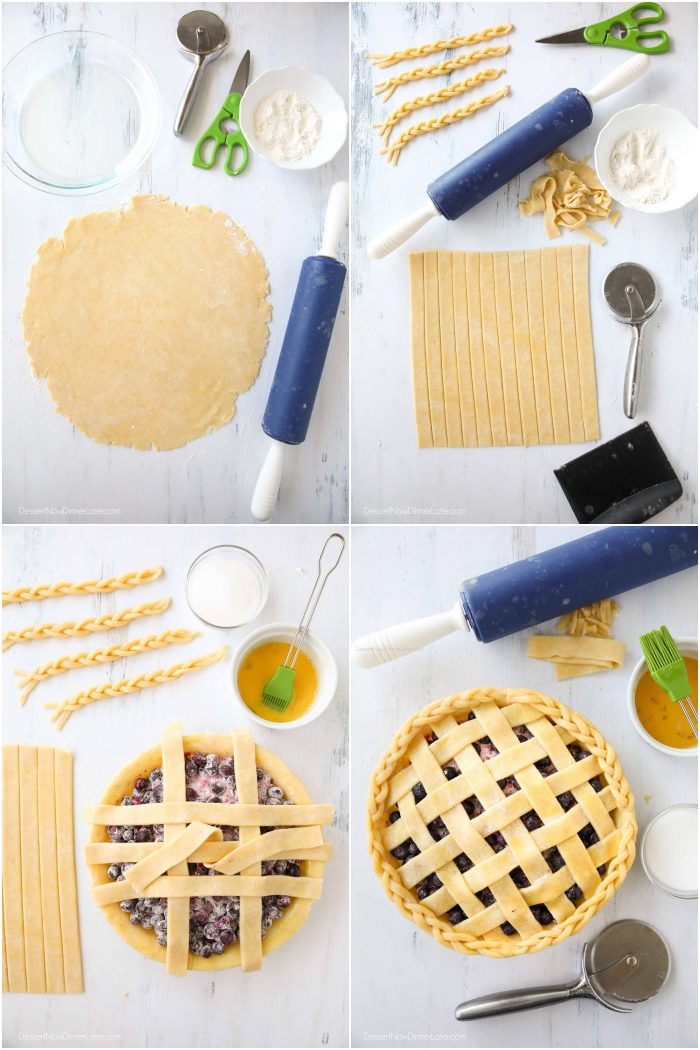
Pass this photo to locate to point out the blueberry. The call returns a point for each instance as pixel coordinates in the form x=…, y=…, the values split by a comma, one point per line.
x=542, y=914
x=294, y=870
x=226, y=767
x=280, y=867
x=217, y=949
x=394, y=816
x=218, y=787
x=162, y=939
x=214, y=798
x=158, y=793
x=134, y=919
x=126, y=905
x=455, y=915
x=127, y=834
x=508, y=929
x=140, y=785
x=574, y=893
x=450, y=772
x=486, y=897
x=205, y=951
x=156, y=776
x=141, y=835
x=210, y=931
x=531, y=820
x=191, y=795
x=212, y=763
x=275, y=792
x=126, y=801
x=259, y=773
x=284, y=902
x=198, y=759
x=419, y=792
x=113, y=871
x=190, y=769
x=226, y=937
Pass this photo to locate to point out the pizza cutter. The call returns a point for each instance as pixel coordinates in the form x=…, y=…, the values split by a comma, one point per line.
x=630, y=292
x=201, y=36
x=627, y=963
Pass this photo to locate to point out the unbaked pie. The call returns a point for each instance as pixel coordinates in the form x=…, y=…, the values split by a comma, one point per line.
x=206, y=852
x=500, y=821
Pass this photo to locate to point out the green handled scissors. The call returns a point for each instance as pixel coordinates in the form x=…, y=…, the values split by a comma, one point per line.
x=216, y=134
x=621, y=31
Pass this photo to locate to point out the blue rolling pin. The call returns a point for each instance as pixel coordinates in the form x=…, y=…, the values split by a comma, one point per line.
x=303, y=353
x=509, y=154
x=504, y=601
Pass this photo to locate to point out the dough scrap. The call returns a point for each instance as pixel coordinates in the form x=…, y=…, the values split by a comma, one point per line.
x=502, y=349
x=570, y=196
x=588, y=647
x=148, y=322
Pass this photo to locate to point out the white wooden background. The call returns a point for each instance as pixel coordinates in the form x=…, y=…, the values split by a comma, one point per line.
x=404, y=982
x=300, y=996
x=48, y=463
x=392, y=479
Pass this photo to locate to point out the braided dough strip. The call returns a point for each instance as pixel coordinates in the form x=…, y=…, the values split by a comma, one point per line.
x=79, y=628
x=435, y=96
x=63, y=710
x=236, y=814
x=210, y=853
x=424, y=127
x=59, y=590
x=383, y=61
x=181, y=887
x=31, y=679
x=386, y=88
x=568, y=720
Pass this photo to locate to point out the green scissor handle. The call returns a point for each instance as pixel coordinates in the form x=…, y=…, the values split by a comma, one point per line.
x=228, y=139
x=630, y=20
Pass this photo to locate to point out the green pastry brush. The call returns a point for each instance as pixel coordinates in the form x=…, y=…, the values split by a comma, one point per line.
x=667, y=668
x=279, y=691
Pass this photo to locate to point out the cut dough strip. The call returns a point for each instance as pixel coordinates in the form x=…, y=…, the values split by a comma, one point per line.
x=502, y=350
x=383, y=61
x=59, y=590
x=41, y=936
x=63, y=710
x=386, y=88
x=79, y=628
x=393, y=150
x=236, y=814
x=31, y=679
x=211, y=853
x=575, y=656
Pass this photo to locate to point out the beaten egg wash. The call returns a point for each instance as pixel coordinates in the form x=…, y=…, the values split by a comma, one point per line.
x=258, y=668
x=661, y=717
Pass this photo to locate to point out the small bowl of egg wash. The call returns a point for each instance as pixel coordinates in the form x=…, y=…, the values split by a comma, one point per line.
x=227, y=586
x=258, y=657
x=658, y=719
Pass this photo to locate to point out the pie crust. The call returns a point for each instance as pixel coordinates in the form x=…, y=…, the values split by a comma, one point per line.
x=189, y=817
x=590, y=783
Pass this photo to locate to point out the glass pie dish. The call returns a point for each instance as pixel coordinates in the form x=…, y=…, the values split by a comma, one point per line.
x=81, y=113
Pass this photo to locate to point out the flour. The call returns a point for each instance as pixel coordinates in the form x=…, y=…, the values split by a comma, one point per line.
x=641, y=167
x=288, y=126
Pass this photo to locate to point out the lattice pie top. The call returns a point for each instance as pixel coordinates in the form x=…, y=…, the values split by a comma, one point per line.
x=500, y=821
x=216, y=806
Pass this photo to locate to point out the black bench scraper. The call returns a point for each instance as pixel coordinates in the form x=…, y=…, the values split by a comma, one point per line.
x=625, y=481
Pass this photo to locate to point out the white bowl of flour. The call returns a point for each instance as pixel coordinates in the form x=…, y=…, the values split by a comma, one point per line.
x=646, y=157
x=294, y=118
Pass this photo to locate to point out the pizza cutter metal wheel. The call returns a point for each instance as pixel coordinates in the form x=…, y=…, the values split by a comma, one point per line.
x=629, y=962
x=630, y=292
x=201, y=37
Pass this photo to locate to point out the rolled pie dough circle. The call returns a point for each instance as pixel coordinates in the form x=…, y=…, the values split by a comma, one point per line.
x=148, y=322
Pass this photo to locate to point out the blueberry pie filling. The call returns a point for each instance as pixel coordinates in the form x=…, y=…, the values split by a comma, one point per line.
x=501, y=827
x=214, y=921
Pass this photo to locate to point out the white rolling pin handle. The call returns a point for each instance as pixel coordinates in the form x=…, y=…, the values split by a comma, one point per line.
x=336, y=219
x=394, y=642
x=400, y=232
x=620, y=78
x=268, y=485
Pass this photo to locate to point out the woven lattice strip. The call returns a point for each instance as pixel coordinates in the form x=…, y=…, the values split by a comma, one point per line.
x=516, y=804
x=434, y=97
x=384, y=61
x=386, y=88
x=29, y=680
x=79, y=628
x=59, y=590
x=63, y=710
x=394, y=149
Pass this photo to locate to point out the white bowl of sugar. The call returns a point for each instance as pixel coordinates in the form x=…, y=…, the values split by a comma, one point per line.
x=293, y=118
x=646, y=157
x=227, y=586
